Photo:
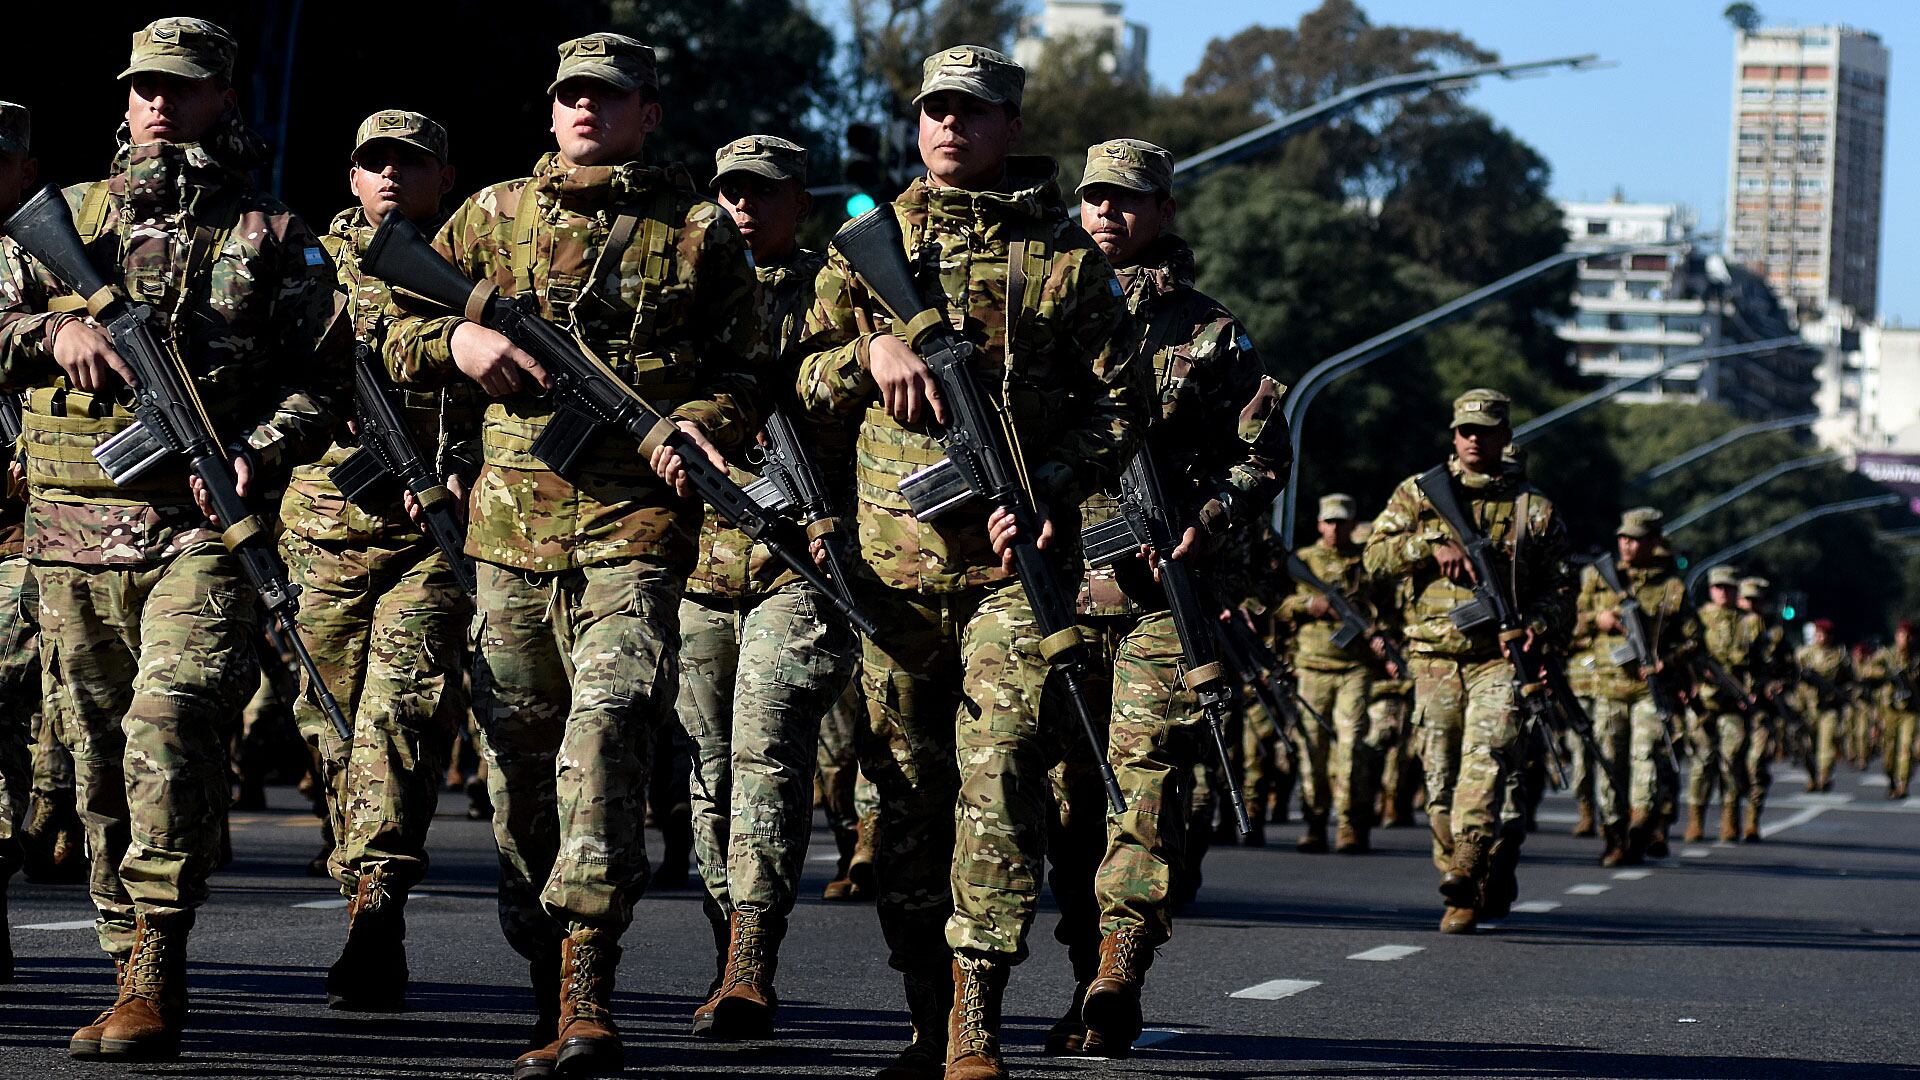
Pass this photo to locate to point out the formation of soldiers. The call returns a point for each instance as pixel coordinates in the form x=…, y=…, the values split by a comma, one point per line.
x=1449, y=652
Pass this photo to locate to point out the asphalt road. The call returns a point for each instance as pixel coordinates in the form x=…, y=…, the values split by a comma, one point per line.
x=1794, y=958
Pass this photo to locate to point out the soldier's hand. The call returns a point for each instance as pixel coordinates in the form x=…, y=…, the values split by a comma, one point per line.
x=1188, y=540
x=1608, y=621
x=498, y=365
x=1318, y=607
x=666, y=460
x=1454, y=563
x=88, y=359
x=1002, y=531
x=418, y=514
x=907, y=390
x=242, y=484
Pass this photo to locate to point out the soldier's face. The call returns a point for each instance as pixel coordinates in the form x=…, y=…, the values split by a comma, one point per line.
x=1336, y=533
x=1902, y=639
x=18, y=174
x=1124, y=221
x=387, y=176
x=163, y=108
x=595, y=123
x=1821, y=635
x=1478, y=446
x=1634, y=550
x=965, y=140
x=1721, y=594
x=768, y=211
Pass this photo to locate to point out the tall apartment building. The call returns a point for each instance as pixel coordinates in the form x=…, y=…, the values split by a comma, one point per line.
x=1807, y=164
x=1086, y=18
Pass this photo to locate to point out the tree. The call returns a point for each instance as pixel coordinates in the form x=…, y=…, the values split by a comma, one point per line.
x=892, y=37
x=1743, y=17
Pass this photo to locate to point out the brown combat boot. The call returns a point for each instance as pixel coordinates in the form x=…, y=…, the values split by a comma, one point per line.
x=743, y=1007
x=841, y=886
x=1440, y=822
x=1751, y=834
x=146, y=1020
x=1068, y=1035
x=542, y=1055
x=589, y=1039
x=1461, y=884
x=1500, y=886
x=1584, y=825
x=721, y=925
x=1729, y=822
x=860, y=867
x=85, y=1043
x=1696, y=824
x=1112, y=1008
x=371, y=973
x=1615, y=852
x=930, y=1003
x=1640, y=837
x=973, y=1027
x=1458, y=920
x=1351, y=839
x=1314, y=840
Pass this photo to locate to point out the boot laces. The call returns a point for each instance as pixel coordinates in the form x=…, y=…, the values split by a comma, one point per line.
x=748, y=955
x=1126, y=953
x=146, y=970
x=582, y=979
x=975, y=1038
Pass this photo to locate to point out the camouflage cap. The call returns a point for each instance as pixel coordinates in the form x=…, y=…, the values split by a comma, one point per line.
x=762, y=155
x=1337, y=507
x=614, y=59
x=975, y=70
x=1754, y=588
x=412, y=128
x=1482, y=408
x=16, y=128
x=1128, y=163
x=189, y=48
x=1723, y=576
x=1641, y=523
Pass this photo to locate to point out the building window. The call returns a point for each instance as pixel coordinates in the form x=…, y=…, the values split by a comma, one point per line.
x=1810, y=185
x=1752, y=184
x=1596, y=228
x=1633, y=353
x=1683, y=324
x=1782, y=185
x=1756, y=93
x=1591, y=320
x=1649, y=262
x=1596, y=289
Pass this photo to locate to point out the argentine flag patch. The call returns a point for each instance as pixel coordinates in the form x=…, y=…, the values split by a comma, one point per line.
x=315, y=257
x=1113, y=286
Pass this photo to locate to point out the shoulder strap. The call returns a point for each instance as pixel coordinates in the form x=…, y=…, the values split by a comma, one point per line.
x=520, y=257
x=91, y=221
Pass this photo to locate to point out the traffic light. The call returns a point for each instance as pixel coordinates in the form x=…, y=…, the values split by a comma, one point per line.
x=865, y=169
x=1789, y=612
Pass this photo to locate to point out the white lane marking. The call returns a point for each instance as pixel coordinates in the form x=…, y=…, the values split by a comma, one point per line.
x=1388, y=952
x=1275, y=989
x=1535, y=907
x=77, y=924
x=1816, y=798
x=1555, y=817
x=832, y=857
x=1156, y=1036
x=1588, y=890
x=1872, y=781
x=1632, y=875
x=1793, y=821
x=1696, y=852
x=321, y=905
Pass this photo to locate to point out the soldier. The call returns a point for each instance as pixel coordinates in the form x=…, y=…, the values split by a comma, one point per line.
x=1894, y=669
x=847, y=796
x=1220, y=445
x=386, y=617
x=762, y=653
x=956, y=674
x=1464, y=687
x=1629, y=726
x=149, y=613
x=1720, y=734
x=580, y=577
x=1828, y=675
x=1337, y=771
x=1770, y=670
x=1585, y=773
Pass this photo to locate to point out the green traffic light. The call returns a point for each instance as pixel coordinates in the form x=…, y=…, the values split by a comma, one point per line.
x=859, y=203
x=1789, y=612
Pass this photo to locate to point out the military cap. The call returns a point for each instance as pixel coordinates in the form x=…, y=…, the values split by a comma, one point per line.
x=189, y=48
x=761, y=155
x=16, y=128
x=1753, y=588
x=1128, y=163
x=1641, y=522
x=1825, y=625
x=1337, y=507
x=411, y=128
x=975, y=70
x=614, y=59
x=1482, y=408
x=1723, y=575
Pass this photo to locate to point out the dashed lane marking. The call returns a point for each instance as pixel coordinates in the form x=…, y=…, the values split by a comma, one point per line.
x=1535, y=907
x=1275, y=989
x=1588, y=890
x=1156, y=1036
x=1695, y=852
x=76, y=924
x=1388, y=952
x=1632, y=875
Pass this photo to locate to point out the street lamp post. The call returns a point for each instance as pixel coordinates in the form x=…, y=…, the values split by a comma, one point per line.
x=1720, y=442
x=1734, y=551
x=1748, y=486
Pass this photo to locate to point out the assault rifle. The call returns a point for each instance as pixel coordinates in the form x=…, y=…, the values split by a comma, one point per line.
x=790, y=484
x=1639, y=652
x=1539, y=684
x=387, y=460
x=1147, y=519
x=980, y=462
x=588, y=398
x=1902, y=682
x=9, y=419
x=1353, y=624
x=1269, y=678
x=171, y=424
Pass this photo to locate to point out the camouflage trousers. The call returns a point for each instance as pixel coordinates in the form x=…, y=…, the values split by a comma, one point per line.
x=387, y=624
x=846, y=795
x=1474, y=750
x=1585, y=772
x=268, y=726
x=1616, y=770
x=956, y=679
x=1398, y=752
x=19, y=703
x=1722, y=747
x=1826, y=743
x=756, y=676
x=1266, y=769
x=574, y=673
x=155, y=663
x=1898, y=742
x=1858, y=741
x=52, y=761
x=1337, y=768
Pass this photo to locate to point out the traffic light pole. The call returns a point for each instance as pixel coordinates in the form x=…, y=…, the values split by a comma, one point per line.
x=1734, y=551
x=1539, y=425
x=1720, y=442
x=1748, y=486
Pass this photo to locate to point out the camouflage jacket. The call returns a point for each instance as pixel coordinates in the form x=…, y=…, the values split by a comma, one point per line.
x=444, y=422
x=1827, y=672
x=1313, y=647
x=1883, y=670
x=1670, y=622
x=676, y=317
x=730, y=565
x=1541, y=580
x=1733, y=637
x=20, y=293
x=246, y=292
x=1076, y=397
x=1209, y=381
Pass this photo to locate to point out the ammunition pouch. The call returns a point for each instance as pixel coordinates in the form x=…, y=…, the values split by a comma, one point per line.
x=770, y=495
x=936, y=489
x=76, y=443
x=886, y=453
x=1107, y=542
x=1471, y=615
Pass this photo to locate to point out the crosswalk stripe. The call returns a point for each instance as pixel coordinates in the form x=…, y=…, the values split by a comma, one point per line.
x=1588, y=890
x=1388, y=952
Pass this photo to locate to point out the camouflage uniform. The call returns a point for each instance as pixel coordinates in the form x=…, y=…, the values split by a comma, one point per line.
x=1724, y=740
x=1897, y=708
x=148, y=615
x=21, y=725
x=955, y=674
x=1830, y=676
x=580, y=580
x=1464, y=692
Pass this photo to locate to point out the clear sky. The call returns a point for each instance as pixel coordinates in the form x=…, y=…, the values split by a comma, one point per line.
x=1655, y=126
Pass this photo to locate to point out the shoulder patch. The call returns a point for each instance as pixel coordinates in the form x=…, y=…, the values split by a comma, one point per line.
x=1113, y=285
x=315, y=257
x=1245, y=343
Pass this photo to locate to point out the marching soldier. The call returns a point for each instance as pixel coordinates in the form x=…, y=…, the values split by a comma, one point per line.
x=1828, y=676
x=1720, y=734
x=386, y=617
x=762, y=654
x=1896, y=668
x=149, y=613
x=956, y=674
x=1464, y=688
x=1770, y=667
x=580, y=577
